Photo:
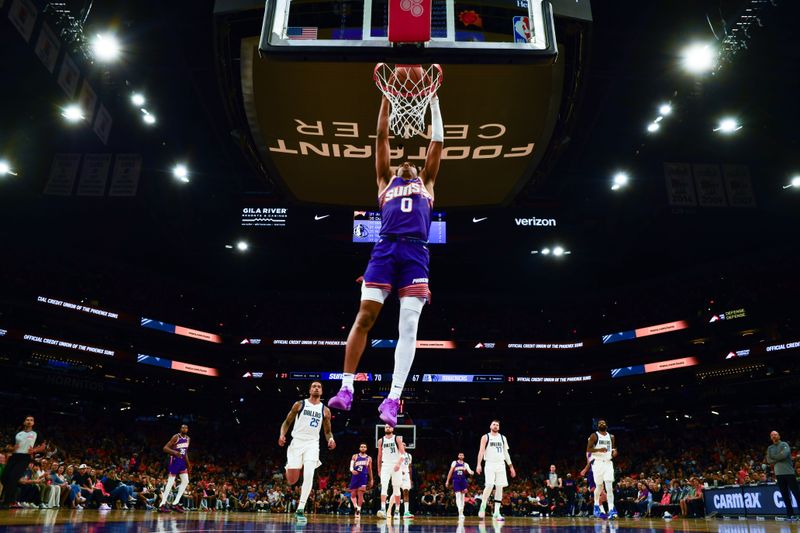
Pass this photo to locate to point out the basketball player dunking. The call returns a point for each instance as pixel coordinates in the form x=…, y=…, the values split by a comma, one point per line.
x=603, y=447
x=390, y=450
x=178, y=450
x=399, y=259
x=361, y=470
x=458, y=473
x=494, y=448
x=308, y=417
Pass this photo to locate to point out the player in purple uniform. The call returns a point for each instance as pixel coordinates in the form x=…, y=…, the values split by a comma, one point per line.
x=361, y=470
x=399, y=259
x=178, y=450
x=458, y=473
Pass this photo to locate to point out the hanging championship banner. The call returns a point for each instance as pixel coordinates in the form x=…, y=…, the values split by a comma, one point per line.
x=68, y=76
x=680, y=186
x=23, y=16
x=125, y=179
x=739, y=186
x=102, y=126
x=94, y=175
x=62, y=174
x=47, y=48
x=710, y=189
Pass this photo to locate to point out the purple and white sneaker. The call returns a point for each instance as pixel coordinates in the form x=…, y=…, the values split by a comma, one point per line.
x=342, y=401
x=388, y=411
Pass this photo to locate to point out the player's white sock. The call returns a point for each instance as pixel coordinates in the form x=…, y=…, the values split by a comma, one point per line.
x=181, y=488
x=498, y=499
x=167, y=490
x=610, y=494
x=347, y=380
x=308, y=480
x=405, y=507
x=410, y=310
x=383, y=506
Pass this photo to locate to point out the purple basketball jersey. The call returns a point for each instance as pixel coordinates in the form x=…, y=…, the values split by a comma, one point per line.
x=177, y=465
x=406, y=208
x=361, y=465
x=460, y=477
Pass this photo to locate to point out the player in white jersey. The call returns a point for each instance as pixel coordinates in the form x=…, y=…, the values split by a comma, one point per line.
x=390, y=450
x=603, y=447
x=458, y=473
x=405, y=485
x=494, y=448
x=308, y=417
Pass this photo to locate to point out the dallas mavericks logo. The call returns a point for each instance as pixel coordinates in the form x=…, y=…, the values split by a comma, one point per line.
x=361, y=231
x=414, y=6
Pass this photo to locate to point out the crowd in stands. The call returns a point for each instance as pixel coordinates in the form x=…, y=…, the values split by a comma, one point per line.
x=111, y=468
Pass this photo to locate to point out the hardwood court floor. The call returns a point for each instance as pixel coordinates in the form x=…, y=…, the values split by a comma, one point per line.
x=67, y=521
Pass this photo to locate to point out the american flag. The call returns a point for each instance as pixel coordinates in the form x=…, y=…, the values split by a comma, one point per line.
x=305, y=33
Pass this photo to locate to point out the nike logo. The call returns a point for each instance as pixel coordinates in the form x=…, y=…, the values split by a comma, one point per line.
x=479, y=219
x=316, y=217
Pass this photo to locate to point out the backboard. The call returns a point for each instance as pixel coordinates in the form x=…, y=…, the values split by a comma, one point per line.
x=493, y=30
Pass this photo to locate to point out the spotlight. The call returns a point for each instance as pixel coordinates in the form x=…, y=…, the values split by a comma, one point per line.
x=699, y=58
x=242, y=246
x=620, y=180
x=5, y=168
x=558, y=251
x=653, y=127
x=138, y=99
x=665, y=109
x=105, y=47
x=73, y=113
x=794, y=183
x=728, y=125
x=545, y=251
x=181, y=172
x=149, y=119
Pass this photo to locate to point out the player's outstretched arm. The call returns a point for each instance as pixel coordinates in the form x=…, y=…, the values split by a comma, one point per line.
x=380, y=451
x=326, y=427
x=369, y=465
x=613, y=446
x=434, y=157
x=288, y=422
x=383, y=169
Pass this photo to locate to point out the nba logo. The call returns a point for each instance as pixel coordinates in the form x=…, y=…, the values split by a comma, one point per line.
x=522, y=30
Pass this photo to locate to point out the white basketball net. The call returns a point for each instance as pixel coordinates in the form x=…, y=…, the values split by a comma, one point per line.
x=409, y=99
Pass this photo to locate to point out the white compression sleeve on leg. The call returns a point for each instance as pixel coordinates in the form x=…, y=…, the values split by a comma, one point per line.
x=437, y=127
x=460, y=502
x=308, y=481
x=410, y=310
x=167, y=490
x=181, y=488
x=610, y=494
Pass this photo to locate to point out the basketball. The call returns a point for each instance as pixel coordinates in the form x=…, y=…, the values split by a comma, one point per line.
x=408, y=76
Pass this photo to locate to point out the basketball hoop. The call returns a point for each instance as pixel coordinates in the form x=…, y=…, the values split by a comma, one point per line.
x=409, y=98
